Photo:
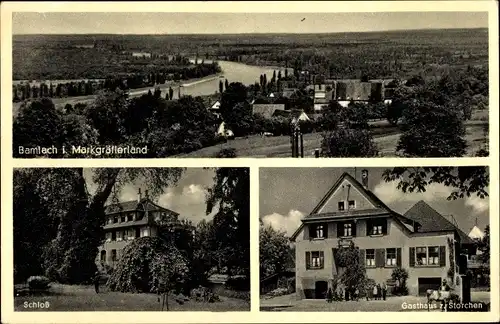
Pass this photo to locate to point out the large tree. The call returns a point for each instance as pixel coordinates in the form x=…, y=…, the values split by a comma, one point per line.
x=79, y=215
x=274, y=251
x=230, y=195
x=431, y=130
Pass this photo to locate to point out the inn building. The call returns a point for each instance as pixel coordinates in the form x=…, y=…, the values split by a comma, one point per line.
x=421, y=241
x=126, y=221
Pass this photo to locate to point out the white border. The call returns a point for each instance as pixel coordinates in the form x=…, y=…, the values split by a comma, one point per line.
x=8, y=316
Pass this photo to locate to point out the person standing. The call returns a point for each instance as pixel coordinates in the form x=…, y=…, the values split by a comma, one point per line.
x=384, y=290
x=375, y=292
x=97, y=277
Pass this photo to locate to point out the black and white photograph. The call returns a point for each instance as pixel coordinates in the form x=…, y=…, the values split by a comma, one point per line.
x=375, y=239
x=131, y=239
x=234, y=84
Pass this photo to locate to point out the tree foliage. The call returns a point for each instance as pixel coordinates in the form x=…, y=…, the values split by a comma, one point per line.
x=345, y=142
x=465, y=181
x=229, y=199
x=147, y=263
x=354, y=273
x=274, y=251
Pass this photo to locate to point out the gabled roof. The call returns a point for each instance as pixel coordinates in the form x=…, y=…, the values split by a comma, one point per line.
x=267, y=110
x=432, y=221
x=379, y=207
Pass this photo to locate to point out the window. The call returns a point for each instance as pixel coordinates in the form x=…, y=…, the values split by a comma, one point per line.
x=317, y=231
x=103, y=255
x=377, y=227
x=137, y=232
x=390, y=257
x=316, y=259
x=433, y=258
x=347, y=229
x=123, y=219
x=110, y=220
x=119, y=235
x=341, y=206
x=139, y=216
x=115, y=219
x=370, y=257
x=421, y=256
x=145, y=231
x=130, y=217
x=131, y=234
x=108, y=237
x=113, y=236
x=352, y=204
x=113, y=255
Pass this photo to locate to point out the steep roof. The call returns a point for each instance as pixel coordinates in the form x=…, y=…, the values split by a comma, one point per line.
x=144, y=205
x=432, y=221
x=379, y=207
x=476, y=233
x=267, y=110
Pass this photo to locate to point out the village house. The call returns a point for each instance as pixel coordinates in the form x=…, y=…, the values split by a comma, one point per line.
x=421, y=241
x=127, y=221
x=267, y=110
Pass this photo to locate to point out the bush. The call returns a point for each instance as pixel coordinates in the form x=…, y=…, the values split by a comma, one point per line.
x=345, y=142
x=400, y=275
x=38, y=283
x=245, y=295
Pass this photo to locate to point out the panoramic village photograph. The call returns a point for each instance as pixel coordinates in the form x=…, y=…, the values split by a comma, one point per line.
x=374, y=239
x=131, y=239
x=156, y=85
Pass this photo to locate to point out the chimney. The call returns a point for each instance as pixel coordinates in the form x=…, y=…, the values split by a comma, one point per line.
x=364, y=178
x=139, y=195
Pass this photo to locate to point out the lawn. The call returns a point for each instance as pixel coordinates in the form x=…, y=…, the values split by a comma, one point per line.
x=392, y=304
x=386, y=138
x=84, y=298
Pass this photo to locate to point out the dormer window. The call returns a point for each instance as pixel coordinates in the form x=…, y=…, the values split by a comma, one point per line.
x=341, y=206
x=115, y=219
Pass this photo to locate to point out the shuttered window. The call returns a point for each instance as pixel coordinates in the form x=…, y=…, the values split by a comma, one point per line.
x=412, y=257
x=380, y=258
x=318, y=231
x=390, y=257
x=370, y=258
x=428, y=256
x=398, y=257
x=315, y=260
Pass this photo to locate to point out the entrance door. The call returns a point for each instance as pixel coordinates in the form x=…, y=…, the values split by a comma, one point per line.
x=321, y=288
x=428, y=283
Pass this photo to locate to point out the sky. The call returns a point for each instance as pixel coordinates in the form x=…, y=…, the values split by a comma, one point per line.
x=287, y=194
x=187, y=197
x=234, y=23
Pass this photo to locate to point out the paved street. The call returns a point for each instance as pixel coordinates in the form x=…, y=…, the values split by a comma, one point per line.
x=392, y=304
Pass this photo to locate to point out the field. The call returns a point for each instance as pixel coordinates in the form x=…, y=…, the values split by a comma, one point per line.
x=386, y=137
x=342, y=55
x=84, y=298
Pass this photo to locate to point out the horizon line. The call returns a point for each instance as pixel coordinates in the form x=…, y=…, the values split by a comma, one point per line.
x=256, y=33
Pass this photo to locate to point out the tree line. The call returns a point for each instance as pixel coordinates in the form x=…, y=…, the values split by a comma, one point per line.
x=137, y=80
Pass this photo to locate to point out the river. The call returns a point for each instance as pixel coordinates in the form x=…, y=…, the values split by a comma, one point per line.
x=232, y=71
